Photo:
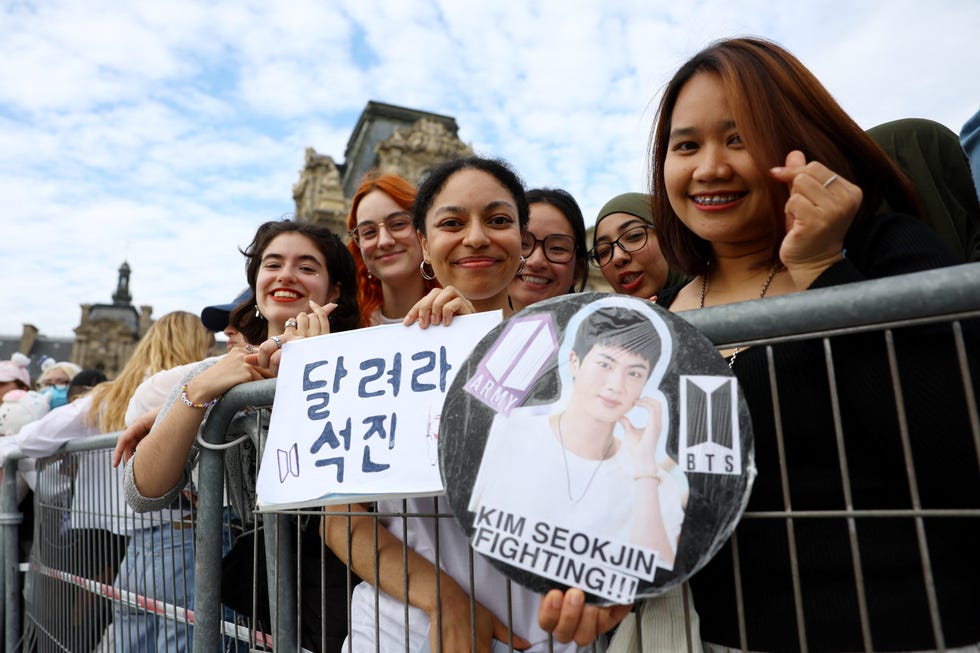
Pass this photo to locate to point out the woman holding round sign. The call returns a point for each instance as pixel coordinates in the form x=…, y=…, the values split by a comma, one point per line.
x=763, y=186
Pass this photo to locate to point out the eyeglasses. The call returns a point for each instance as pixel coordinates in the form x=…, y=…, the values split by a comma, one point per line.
x=557, y=248
x=60, y=385
x=631, y=240
x=396, y=225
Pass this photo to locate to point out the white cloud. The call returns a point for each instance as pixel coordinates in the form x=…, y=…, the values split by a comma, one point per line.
x=164, y=132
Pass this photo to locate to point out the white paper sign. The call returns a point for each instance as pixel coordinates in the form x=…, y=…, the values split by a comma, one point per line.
x=356, y=414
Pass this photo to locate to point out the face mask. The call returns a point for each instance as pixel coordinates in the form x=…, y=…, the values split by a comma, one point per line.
x=56, y=396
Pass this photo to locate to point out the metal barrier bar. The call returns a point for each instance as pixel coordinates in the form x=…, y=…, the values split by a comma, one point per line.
x=937, y=295
x=934, y=294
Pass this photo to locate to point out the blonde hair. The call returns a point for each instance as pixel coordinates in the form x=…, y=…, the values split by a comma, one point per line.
x=177, y=338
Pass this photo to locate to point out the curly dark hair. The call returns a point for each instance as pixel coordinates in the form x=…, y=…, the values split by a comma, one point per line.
x=340, y=267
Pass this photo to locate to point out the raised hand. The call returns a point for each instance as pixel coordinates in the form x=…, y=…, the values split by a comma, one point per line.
x=819, y=211
x=267, y=356
x=126, y=444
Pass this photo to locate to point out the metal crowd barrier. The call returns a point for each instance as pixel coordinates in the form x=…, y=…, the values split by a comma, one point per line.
x=939, y=296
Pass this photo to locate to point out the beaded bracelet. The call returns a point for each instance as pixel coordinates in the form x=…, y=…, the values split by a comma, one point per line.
x=191, y=404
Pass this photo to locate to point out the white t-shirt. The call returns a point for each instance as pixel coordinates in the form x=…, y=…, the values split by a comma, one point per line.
x=489, y=586
x=525, y=471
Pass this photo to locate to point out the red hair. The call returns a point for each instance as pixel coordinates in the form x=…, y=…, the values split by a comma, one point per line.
x=369, y=294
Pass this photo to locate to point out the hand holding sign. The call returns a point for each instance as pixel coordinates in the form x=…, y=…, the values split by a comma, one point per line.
x=232, y=369
x=439, y=307
x=566, y=615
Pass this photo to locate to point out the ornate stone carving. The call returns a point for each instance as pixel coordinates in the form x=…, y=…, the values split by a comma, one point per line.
x=413, y=151
x=103, y=344
x=319, y=194
x=108, y=333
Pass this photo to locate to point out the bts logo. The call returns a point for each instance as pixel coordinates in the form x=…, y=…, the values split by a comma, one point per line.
x=709, y=441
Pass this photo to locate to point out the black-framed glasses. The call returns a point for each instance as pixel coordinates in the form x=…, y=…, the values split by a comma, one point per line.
x=557, y=248
x=631, y=240
x=396, y=225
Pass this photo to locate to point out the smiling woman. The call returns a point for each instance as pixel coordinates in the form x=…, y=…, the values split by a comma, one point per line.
x=764, y=186
x=302, y=278
x=471, y=215
x=627, y=248
x=553, y=248
x=386, y=249
x=289, y=264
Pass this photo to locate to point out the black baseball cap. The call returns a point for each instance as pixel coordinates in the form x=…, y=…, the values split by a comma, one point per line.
x=215, y=318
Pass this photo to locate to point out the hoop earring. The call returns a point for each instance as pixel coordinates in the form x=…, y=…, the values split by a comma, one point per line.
x=520, y=270
x=427, y=277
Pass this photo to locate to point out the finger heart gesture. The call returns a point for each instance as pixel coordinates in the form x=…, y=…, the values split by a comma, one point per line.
x=820, y=209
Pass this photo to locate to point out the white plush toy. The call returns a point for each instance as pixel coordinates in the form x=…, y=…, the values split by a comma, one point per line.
x=21, y=407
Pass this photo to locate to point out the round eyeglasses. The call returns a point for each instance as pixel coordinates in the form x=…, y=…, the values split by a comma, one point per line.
x=557, y=248
x=631, y=240
x=396, y=225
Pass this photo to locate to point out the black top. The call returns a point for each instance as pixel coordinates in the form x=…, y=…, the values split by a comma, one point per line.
x=945, y=463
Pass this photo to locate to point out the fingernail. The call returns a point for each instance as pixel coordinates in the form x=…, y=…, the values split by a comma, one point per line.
x=554, y=600
x=776, y=170
x=576, y=597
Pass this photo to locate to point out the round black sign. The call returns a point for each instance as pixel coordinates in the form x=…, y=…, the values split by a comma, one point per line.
x=596, y=441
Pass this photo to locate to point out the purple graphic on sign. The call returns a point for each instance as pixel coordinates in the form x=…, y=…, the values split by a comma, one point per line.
x=510, y=367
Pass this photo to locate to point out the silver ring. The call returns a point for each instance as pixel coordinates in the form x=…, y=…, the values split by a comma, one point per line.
x=290, y=323
x=276, y=340
x=250, y=349
x=832, y=179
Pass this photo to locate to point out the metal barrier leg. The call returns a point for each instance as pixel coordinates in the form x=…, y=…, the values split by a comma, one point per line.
x=281, y=560
x=10, y=519
x=207, y=563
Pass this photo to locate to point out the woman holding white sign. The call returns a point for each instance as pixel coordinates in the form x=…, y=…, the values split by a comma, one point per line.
x=470, y=215
x=302, y=279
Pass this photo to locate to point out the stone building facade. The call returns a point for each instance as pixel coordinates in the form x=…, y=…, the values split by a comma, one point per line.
x=104, y=339
x=108, y=333
x=389, y=138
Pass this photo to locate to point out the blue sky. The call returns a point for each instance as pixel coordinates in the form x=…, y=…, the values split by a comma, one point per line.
x=163, y=133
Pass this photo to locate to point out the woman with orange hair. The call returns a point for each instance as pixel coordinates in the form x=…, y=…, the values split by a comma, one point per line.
x=386, y=250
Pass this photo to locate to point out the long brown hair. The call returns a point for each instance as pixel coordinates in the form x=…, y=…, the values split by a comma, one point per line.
x=778, y=106
x=177, y=338
x=369, y=291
